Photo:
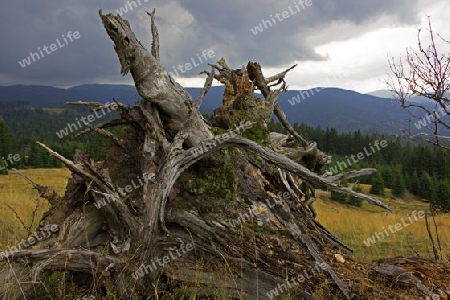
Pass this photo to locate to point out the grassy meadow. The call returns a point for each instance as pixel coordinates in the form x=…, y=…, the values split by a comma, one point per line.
x=20, y=196
x=352, y=225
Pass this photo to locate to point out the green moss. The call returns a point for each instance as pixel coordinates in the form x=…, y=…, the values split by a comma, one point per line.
x=244, y=103
x=217, y=130
x=213, y=178
x=258, y=133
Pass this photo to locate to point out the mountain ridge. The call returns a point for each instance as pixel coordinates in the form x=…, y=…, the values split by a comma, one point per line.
x=344, y=110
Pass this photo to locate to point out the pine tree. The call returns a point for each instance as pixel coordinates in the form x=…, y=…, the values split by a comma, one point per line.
x=6, y=139
x=37, y=156
x=388, y=176
x=425, y=186
x=6, y=142
x=414, y=184
x=441, y=197
x=356, y=201
x=398, y=184
x=377, y=185
x=340, y=197
x=3, y=169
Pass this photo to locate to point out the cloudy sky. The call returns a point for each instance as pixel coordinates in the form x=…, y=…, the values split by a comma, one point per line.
x=342, y=43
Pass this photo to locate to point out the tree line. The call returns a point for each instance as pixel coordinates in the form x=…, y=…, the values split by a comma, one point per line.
x=403, y=165
x=33, y=156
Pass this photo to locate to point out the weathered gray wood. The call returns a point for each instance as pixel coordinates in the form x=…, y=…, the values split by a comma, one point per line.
x=302, y=172
x=106, y=134
x=157, y=144
x=155, y=35
x=206, y=87
x=153, y=81
x=400, y=277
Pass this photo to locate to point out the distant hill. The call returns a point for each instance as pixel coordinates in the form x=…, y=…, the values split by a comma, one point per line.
x=342, y=109
x=47, y=96
x=328, y=107
x=382, y=94
x=389, y=95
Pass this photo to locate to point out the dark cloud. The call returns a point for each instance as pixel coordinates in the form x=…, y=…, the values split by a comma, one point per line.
x=186, y=28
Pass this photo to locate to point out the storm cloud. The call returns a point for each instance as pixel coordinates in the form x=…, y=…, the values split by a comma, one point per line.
x=186, y=29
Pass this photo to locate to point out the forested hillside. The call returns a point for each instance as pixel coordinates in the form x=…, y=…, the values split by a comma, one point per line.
x=21, y=125
x=403, y=164
x=347, y=110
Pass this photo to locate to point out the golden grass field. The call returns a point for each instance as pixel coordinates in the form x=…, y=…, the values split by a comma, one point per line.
x=351, y=225
x=20, y=195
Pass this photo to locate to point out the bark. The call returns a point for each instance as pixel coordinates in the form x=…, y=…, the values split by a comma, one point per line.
x=175, y=180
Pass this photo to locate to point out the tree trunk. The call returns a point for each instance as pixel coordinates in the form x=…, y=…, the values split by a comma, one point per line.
x=181, y=205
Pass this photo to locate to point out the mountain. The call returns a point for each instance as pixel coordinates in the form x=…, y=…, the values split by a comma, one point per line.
x=344, y=110
x=51, y=97
x=389, y=95
x=382, y=94
x=328, y=107
x=105, y=93
x=39, y=96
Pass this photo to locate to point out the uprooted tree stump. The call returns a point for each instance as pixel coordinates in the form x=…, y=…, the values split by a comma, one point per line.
x=220, y=207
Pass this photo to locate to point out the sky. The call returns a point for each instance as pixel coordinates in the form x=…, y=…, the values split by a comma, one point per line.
x=344, y=44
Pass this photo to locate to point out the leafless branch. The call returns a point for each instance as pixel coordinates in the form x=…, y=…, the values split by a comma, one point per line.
x=424, y=73
x=27, y=228
x=107, y=135
x=155, y=35
x=206, y=87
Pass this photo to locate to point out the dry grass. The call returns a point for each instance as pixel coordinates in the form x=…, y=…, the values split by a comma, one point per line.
x=20, y=195
x=354, y=225
x=351, y=225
